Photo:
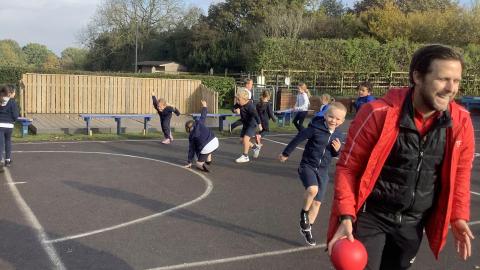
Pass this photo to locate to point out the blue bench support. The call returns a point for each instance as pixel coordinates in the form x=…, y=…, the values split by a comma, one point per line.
x=471, y=102
x=284, y=117
x=118, y=120
x=25, y=123
x=221, y=117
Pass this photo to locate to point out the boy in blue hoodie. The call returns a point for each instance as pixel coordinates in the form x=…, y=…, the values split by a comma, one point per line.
x=202, y=141
x=364, y=91
x=323, y=143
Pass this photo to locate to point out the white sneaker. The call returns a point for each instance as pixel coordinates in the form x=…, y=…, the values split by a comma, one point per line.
x=256, y=151
x=242, y=159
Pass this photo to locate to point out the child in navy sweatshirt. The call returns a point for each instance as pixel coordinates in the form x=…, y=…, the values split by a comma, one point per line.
x=265, y=112
x=165, y=113
x=250, y=121
x=202, y=141
x=323, y=143
x=8, y=115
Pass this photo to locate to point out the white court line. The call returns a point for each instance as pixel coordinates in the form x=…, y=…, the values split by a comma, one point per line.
x=138, y=140
x=475, y=193
x=208, y=182
x=16, y=183
x=251, y=256
x=238, y=258
x=32, y=219
x=279, y=142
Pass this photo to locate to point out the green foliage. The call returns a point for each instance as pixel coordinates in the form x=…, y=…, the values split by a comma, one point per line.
x=10, y=74
x=73, y=58
x=360, y=55
x=11, y=54
x=39, y=56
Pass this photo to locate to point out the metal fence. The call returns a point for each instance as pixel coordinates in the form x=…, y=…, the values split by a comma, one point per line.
x=345, y=83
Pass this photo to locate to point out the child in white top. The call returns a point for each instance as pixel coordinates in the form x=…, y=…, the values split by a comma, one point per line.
x=301, y=106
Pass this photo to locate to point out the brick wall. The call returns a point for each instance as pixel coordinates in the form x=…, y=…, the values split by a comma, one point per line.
x=286, y=100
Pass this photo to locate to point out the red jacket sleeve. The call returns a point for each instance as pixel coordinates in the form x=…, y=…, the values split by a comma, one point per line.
x=363, y=135
x=461, y=188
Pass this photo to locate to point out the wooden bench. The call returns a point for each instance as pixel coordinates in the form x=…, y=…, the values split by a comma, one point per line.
x=221, y=117
x=25, y=122
x=118, y=119
x=471, y=102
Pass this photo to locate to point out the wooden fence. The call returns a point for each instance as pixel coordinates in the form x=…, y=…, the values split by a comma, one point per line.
x=74, y=94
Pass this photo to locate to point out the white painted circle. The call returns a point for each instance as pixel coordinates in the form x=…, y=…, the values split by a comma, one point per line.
x=208, y=190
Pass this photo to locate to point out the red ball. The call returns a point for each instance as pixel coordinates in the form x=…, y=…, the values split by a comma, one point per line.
x=348, y=255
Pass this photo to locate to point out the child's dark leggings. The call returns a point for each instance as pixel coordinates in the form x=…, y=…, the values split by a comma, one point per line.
x=298, y=120
x=6, y=142
x=236, y=124
x=166, y=128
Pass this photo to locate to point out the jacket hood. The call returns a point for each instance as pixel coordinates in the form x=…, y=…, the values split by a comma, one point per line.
x=318, y=122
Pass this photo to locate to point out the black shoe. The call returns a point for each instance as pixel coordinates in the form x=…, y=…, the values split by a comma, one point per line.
x=208, y=162
x=308, y=236
x=8, y=163
x=304, y=222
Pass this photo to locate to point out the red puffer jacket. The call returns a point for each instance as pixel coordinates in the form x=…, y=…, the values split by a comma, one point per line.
x=371, y=137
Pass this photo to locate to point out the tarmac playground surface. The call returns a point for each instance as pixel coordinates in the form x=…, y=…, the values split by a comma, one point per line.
x=131, y=205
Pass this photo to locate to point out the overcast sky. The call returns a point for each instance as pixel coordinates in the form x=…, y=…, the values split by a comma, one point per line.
x=56, y=23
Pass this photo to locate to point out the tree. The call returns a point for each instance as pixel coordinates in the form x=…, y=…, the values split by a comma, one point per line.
x=11, y=54
x=37, y=55
x=408, y=6
x=332, y=8
x=111, y=34
x=189, y=18
x=285, y=21
x=73, y=58
x=365, y=5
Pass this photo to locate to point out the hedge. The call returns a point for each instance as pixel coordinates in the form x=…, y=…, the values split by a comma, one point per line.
x=359, y=55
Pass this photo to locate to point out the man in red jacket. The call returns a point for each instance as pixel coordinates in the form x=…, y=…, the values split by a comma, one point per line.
x=406, y=167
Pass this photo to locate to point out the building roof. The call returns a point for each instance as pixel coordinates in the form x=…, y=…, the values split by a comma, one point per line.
x=155, y=63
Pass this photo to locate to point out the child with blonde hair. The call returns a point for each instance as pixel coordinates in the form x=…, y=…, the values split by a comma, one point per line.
x=323, y=143
x=301, y=106
x=250, y=121
x=165, y=112
x=325, y=100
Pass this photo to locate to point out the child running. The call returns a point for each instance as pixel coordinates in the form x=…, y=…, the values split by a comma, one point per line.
x=265, y=112
x=165, y=113
x=202, y=141
x=8, y=115
x=250, y=121
x=301, y=106
x=323, y=143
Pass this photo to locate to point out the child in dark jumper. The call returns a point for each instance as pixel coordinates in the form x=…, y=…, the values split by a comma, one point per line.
x=324, y=142
x=265, y=112
x=250, y=121
x=8, y=115
x=202, y=141
x=165, y=113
